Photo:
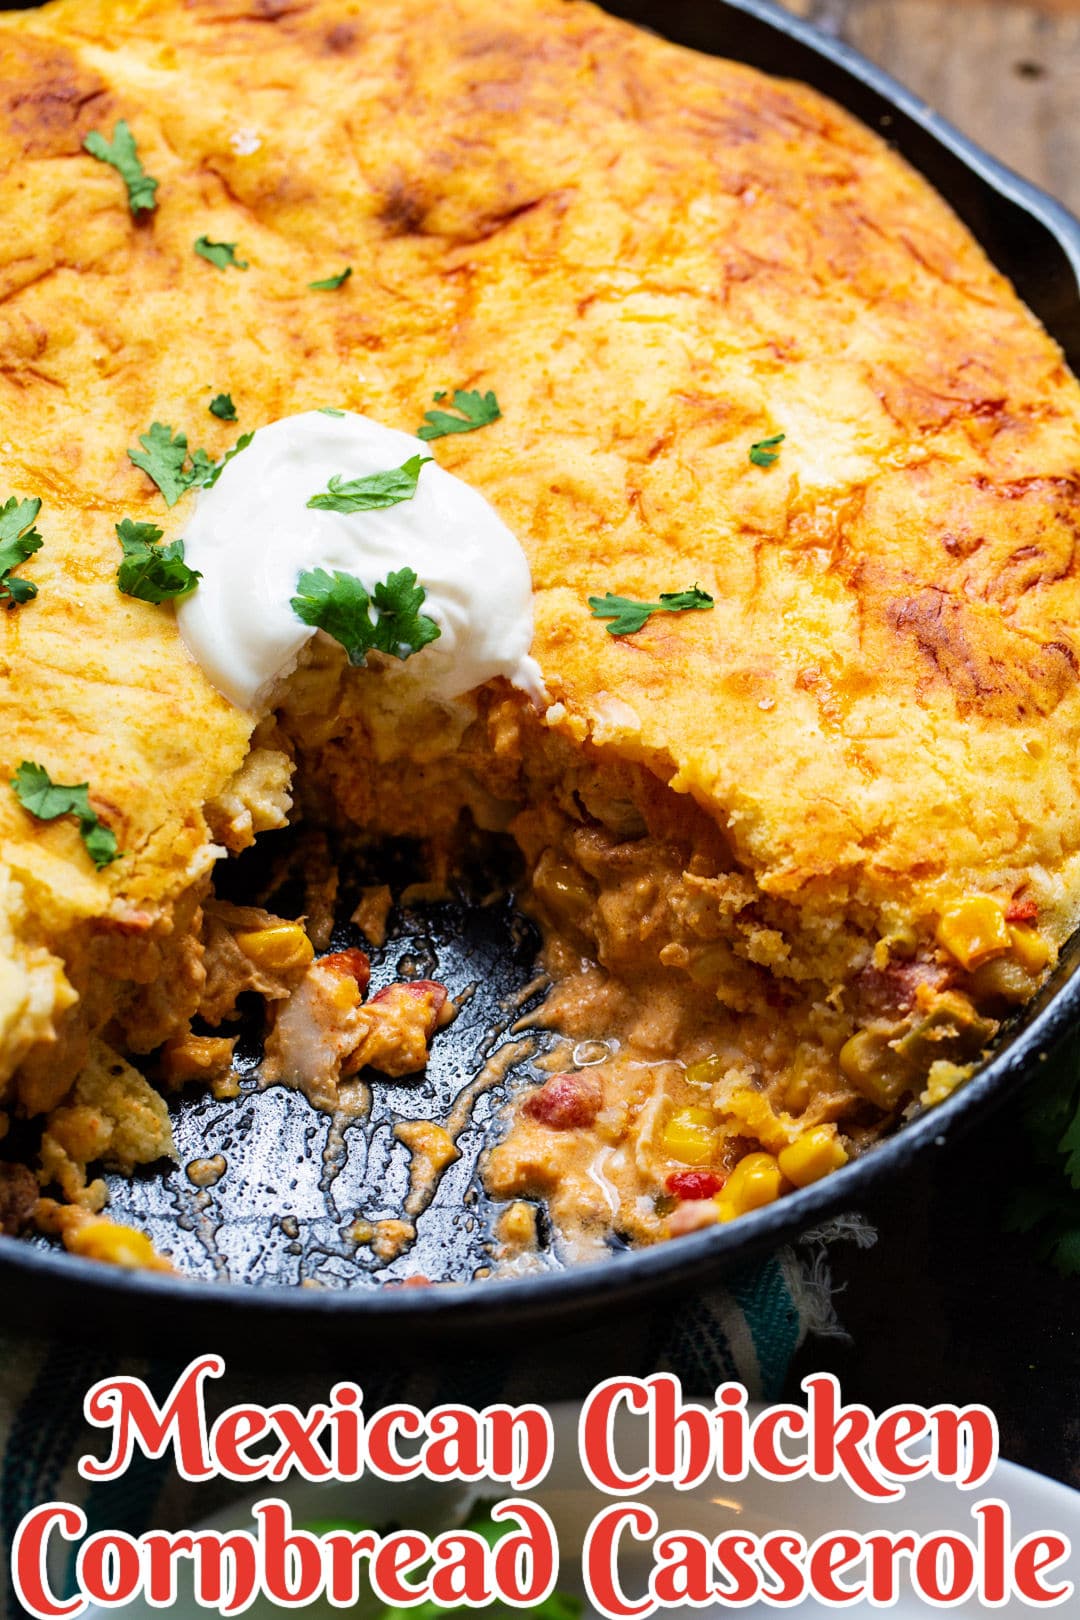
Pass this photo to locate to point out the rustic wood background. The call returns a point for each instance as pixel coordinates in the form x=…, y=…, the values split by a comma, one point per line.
x=1007, y=74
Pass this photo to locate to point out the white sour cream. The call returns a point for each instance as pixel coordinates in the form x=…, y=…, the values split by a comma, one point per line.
x=253, y=533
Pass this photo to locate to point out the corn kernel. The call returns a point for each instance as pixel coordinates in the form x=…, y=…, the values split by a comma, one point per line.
x=759, y=1119
x=755, y=1180
x=973, y=929
x=118, y=1245
x=281, y=948
x=707, y=1071
x=815, y=1154
x=1029, y=948
x=690, y=1135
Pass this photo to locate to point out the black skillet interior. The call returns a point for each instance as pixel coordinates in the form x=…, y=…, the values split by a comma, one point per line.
x=294, y=1182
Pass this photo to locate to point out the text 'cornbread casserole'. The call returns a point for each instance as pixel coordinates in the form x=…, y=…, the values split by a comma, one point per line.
x=794, y=855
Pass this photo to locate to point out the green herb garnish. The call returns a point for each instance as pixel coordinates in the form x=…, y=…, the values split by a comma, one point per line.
x=46, y=800
x=330, y=410
x=121, y=154
x=221, y=254
x=373, y=493
x=763, y=453
x=151, y=572
x=222, y=407
x=164, y=459
x=207, y=476
x=629, y=616
x=477, y=410
x=18, y=541
x=332, y=282
x=339, y=604
x=559, y=1606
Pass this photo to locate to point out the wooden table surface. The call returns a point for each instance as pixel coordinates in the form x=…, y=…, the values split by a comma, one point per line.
x=1007, y=74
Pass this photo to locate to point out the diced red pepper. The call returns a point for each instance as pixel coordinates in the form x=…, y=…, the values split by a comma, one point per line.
x=565, y=1102
x=693, y=1184
x=1022, y=911
x=438, y=993
x=351, y=964
x=431, y=995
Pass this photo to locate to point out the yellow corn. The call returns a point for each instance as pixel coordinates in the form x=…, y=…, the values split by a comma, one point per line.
x=707, y=1071
x=755, y=1180
x=1029, y=948
x=814, y=1155
x=974, y=929
x=690, y=1135
x=281, y=948
x=753, y=1111
x=118, y=1245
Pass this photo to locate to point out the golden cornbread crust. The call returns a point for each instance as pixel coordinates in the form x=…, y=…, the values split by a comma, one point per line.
x=656, y=259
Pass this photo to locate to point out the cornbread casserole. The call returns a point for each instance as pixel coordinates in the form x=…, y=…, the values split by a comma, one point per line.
x=795, y=856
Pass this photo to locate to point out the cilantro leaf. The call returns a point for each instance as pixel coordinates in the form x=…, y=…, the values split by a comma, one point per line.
x=223, y=408
x=162, y=458
x=629, y=616
x=763, y=453
x=559, y=1606
x=340, y=605
x=208, y=472
x=46, y=800
x=18, y=541
x=151, y=572
x=477, y=410
x=221, y=254
x=121, y=153
x=332, y=282
x=373, y=493
x=401, y=629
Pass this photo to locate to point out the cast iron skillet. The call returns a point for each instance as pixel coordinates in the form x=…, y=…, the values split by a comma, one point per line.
x=1036, y=243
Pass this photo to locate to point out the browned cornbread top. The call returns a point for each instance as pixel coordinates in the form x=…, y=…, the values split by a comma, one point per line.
x=656, y=259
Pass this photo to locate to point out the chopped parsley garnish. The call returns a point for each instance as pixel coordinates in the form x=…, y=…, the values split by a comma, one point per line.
x=628, y=616
x=339, y=604
x=151, y=572
x=330, y=410
x=221, y=254
x=477, y=410
x=211, y=474
x=18, y=541
x=163, y=458
x=332, y=282
x=222, y=406
x=373, y=493
x=46, y=800
x=764, y=452
x=121, y=153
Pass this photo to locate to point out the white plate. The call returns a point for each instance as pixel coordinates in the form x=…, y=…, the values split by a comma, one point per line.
x=754, y=1504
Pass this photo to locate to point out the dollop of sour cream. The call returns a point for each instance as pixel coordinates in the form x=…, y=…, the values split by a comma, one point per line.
x=252, y=534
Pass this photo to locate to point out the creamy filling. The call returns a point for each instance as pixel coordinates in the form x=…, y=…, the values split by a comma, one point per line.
x=252, y=534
